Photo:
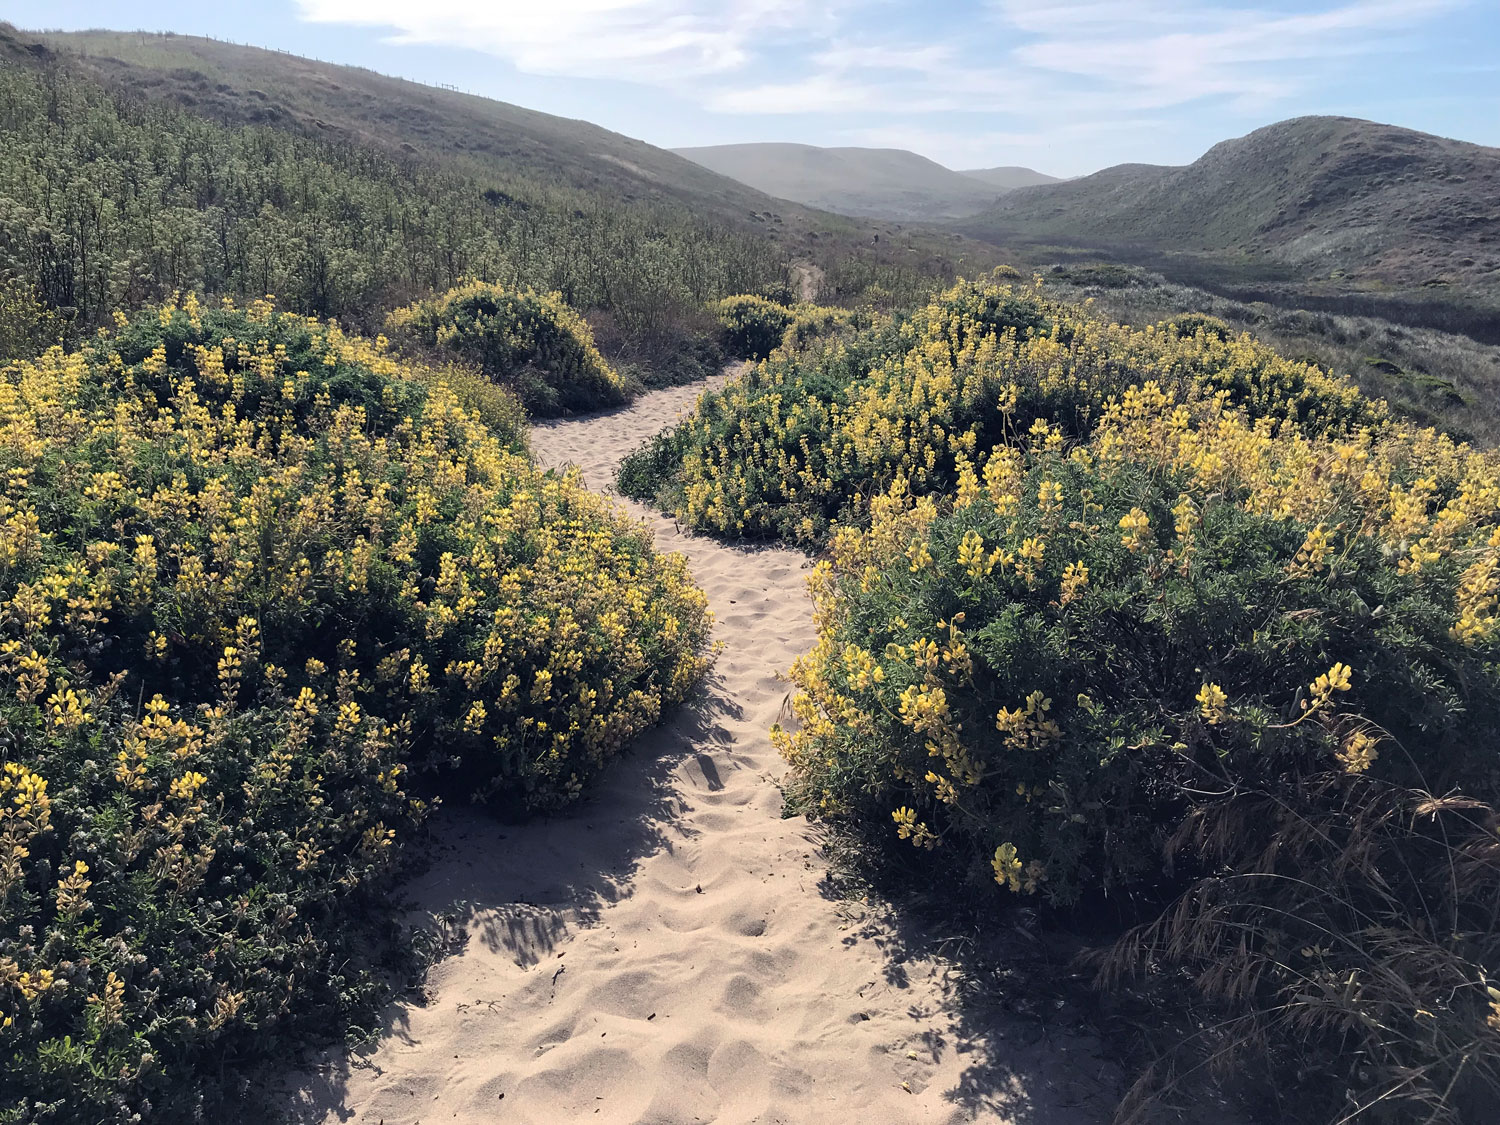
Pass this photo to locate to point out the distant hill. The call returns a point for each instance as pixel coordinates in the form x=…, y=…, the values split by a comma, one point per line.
x=886, y=183
x=243, y=85
x=1009, y=178
x=518, y=151
x=1318, y=207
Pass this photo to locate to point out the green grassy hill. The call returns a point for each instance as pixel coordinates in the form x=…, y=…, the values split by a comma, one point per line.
x=870, y=182
x=1328, y=212
x=135, y=165
x=243, y=85
x=249, y=86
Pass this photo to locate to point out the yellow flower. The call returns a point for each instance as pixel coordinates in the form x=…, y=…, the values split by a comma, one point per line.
x=1074, y=580
x=1137, y=527
x=1312, y=556
x=1335, y=679
x=1213, y=704
x=971, y=555
x=1007, y=866
x=1358, y=753
x=186, y=787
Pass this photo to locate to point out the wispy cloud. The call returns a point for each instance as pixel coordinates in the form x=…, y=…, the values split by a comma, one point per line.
x=904, y=67
x=1167, y=52
x=663, y=42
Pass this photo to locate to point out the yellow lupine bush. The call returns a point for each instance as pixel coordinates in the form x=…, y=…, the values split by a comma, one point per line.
x=255, y=575
x=1062, y=661
x=530, y=342
x=366, y=520
x=808, y=437
x=1133, y=613
x=753, y=326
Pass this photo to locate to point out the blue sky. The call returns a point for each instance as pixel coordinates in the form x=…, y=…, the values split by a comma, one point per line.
x=1064, y=86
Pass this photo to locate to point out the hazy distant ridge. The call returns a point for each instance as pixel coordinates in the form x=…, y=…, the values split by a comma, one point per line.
x=1009, y=178
x=868, y=182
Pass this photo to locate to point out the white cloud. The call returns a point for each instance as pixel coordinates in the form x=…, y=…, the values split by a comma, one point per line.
x=1017, y=68
x=658, y=42
x=1168, y=52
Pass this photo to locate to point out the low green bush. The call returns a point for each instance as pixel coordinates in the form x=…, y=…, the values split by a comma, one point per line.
x=532, y=343
x=752, y=326
x=645, y=471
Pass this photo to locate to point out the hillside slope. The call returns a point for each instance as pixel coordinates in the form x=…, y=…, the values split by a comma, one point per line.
x=243, y=85
x=1329, y=202
x=520, y=158
x=869, y=182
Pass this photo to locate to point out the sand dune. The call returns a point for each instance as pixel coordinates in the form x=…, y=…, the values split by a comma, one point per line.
x=665, y=953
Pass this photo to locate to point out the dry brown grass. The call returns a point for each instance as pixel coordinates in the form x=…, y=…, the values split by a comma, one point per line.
x=1341, y=944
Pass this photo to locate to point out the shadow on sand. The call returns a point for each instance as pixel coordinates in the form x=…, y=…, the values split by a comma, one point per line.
x=522, y=888
x=1016, y=1014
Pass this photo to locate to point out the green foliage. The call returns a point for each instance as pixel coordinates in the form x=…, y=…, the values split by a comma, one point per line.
x=111, y=202
x=805, y=439
x=1105, y=275
x=27, y=327
x=1043, y=676
x=691, y=361
x=644, y=472
x=532, y=343
x=753, y=326
x=256, y=574
x=860, y=278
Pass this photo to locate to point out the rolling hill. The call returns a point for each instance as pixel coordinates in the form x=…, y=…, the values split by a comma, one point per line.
x=1009, y=178
x=523, y=157
x=1317, y=207
x=883, y=183
x=241, y=85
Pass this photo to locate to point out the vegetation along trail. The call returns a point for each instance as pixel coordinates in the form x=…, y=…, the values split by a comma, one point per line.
x=667, y=951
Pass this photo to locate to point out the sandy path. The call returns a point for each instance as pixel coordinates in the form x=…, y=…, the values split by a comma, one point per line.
x=664, y=953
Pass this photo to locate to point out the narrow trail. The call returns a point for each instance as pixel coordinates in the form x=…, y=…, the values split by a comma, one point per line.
x=666, y=953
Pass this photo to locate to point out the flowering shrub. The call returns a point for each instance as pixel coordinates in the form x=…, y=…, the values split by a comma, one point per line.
x=1206, y=653
x=255, y=573
x=808, y=437
x=753, y=326
x=528, y=341
x=814, y=324
x=181, y=888
x=1039, y=677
